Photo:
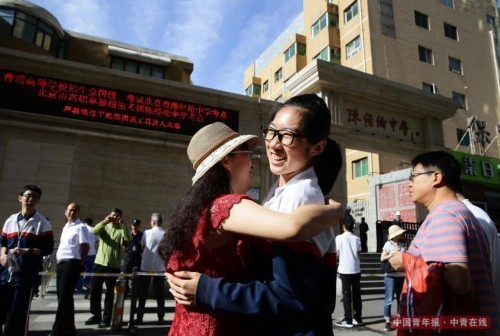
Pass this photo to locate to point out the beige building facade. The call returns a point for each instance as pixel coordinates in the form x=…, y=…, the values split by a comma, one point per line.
x=444, y=48
x=106, y=124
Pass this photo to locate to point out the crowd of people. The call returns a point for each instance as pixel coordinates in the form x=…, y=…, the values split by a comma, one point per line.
x=236, y=267
x=27, y=237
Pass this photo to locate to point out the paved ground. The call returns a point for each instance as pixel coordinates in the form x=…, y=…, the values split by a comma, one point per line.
x=43, y=314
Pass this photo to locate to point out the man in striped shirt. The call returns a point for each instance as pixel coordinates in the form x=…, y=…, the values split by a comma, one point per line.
x=451, y=235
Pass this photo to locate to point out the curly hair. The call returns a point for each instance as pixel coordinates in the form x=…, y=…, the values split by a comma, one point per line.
x=182, y=223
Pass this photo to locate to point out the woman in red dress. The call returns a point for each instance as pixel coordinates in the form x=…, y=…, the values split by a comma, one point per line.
x=206, y=232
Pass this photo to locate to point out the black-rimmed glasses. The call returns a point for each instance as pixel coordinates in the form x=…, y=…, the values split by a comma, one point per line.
x=285, y=137
x=413, y=174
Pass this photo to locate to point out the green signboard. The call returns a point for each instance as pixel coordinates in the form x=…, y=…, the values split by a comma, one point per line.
x=479, y=169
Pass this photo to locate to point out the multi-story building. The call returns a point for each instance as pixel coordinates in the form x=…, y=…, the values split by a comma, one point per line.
x=99, y=122
x=106, y=124
x=441, y=47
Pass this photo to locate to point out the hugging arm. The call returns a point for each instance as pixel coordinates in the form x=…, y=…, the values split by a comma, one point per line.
x=294, y=283
x=249, y=218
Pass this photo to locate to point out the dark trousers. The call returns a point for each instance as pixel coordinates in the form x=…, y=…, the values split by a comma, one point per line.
x=89, y=265
x=96, y=292
x=67, y=274
x=19, y=309
x=159, y=290
x=6, y=297
x=351, y=291
x=364, y=239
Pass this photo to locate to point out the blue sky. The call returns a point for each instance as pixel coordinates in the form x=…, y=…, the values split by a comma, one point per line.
x=221, y=37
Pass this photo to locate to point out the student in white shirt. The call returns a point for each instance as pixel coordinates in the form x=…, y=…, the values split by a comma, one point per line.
x=348, y=249
x=297, y=295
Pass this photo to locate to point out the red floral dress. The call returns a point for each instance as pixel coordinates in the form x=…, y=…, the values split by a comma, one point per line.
x=229, y=261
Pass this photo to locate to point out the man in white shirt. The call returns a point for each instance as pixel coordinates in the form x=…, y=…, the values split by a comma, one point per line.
x=493, y=242
x=152, y=262
x=73, y=249
x=348, y=249
x=83, y=282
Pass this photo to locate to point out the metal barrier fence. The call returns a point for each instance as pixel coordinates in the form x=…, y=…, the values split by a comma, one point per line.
x=48, y=270
x=120, y=293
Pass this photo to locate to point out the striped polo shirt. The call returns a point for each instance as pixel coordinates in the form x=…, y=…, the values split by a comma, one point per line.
x=451, y=234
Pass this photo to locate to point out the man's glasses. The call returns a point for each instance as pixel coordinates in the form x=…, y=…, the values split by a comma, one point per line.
x=285, y=137
x=413, y=174
x=31, y=196
x=249, y=153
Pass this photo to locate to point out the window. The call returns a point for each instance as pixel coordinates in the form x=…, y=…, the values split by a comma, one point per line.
x=335, y=55
x=353, y=47
x=454, y=65
x=448, y=3
x=421, y=20
x=329, y=54
x=333, y=19
x=296, y=48
x=429, y=88
x=144, y=69
x=253, y=89
x=289, y=53
x=463, y=137
x=387, y=18
x=6, y=21
x=277, y=75
x=490, y=19
x=265, y=87
x=351, y=12
x=360, y=168
x=459, y=98
x=29, y=29
x=424, y=54
x=319, y=25
x=450, y=31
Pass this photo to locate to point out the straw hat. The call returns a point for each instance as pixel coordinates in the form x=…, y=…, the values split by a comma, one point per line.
x=211, y=143
x=394, y=231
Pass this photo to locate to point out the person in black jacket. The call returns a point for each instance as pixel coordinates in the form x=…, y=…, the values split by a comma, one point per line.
x=134, y=248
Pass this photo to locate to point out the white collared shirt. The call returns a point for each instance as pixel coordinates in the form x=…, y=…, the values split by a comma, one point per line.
x=73, y=234
x=300, y=190
x=151, y=260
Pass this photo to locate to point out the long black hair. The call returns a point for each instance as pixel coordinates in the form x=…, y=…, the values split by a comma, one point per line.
x=183, y=221
x=315, y=123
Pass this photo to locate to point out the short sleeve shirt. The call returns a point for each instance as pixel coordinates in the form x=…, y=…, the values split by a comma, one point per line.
x=73, y=234
x=302, y=189
x=348, y=247
x=151, y=260
x=451, y=234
